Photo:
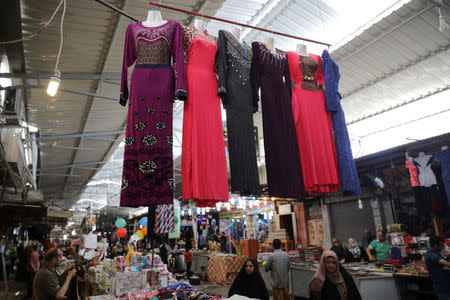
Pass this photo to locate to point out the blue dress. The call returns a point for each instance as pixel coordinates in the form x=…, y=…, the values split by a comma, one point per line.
x=347, y=167
x=444, y=158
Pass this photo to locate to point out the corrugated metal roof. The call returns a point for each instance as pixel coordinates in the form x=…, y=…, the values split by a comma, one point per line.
x=386, y=59
x=93, y=44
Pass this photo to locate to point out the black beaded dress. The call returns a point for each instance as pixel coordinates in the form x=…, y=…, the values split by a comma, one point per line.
x=234, y=64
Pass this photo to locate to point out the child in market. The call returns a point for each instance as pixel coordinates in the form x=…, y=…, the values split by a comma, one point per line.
x=188, y=259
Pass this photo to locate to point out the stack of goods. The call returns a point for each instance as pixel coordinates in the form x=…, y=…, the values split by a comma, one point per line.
x=294, y=256
x=279, y=234
x=127, y=282
x=302, y=255
x=313, y=253
x=264, y=256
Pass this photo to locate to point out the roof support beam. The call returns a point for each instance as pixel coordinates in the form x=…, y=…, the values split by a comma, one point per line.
x=31, y=86
x=72, y=166
x=66, y=147
x=68, y=76
x=80, y=135
x=59, y=175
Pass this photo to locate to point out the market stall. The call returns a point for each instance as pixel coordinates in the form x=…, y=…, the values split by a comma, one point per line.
x=223, y=268
x=371, y=285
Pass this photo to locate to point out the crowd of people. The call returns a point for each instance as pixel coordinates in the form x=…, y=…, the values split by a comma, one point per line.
x=48, y=277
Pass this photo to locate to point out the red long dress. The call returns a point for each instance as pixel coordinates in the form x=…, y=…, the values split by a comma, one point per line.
x=203, y=162
x=313, y=125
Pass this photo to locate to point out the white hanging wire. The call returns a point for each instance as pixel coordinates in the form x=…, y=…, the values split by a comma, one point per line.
x=35, y=34
x=61, y=37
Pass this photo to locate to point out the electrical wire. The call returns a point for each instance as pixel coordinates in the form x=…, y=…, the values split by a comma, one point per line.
x=61, y=37
x=36, y=33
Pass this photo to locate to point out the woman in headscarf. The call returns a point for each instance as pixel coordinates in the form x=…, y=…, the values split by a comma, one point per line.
x=331, y=281
x=339, y=249
x=249, y=282
x=355, y=252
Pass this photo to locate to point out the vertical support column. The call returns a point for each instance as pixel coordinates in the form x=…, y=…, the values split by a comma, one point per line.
x=302, y=232
x=326, y=216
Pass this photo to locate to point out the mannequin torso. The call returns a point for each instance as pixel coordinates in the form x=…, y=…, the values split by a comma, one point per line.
x=301, y=50
x=154, y=19
x=269, y=43
x=236, y=32
x=200, y=25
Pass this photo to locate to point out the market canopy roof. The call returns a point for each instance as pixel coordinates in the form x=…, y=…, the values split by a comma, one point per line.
x=394, y=77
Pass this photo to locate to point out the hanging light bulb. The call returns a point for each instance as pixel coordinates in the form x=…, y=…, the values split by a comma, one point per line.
x=53, y=84
x=232, y=201
x=65, y=237
x=203, y=211
x=198, y=210
x=360, y=204
x=207, y=209
x=189, y=211
x=182, y=212
x=73, y=232
x=218, y=206
x=265, y=202
x=228, y=206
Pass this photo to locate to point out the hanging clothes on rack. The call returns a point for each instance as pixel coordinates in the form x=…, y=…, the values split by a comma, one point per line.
x=234, y=60
x=413, y=173
x=350, y=184
x=444, y=158
x=203, y=162
x=313, y=125
x=428, y=191
x=270, y=72
x=148, y=164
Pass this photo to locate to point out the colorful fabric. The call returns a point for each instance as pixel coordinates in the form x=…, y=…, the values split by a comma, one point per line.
x=177, y=219
x=347, y=167
x=224, y=269
x=413, y=173
x=164, y=219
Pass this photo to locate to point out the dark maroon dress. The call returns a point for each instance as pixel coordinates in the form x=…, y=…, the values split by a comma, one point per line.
x=270, y=72
x=148, y=163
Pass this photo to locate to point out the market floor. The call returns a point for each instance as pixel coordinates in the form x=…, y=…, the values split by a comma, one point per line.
x=16, y=290
x=217, y=289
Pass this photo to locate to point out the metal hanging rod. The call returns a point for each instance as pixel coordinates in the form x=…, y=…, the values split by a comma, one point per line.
x=238, y=24
x=212, y=18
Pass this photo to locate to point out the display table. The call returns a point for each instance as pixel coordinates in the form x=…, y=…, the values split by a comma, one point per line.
x=223, y=269
x=371, y=287
x=199, y=259
x=414, y=286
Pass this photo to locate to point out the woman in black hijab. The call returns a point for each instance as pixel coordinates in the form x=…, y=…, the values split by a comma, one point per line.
x=249, y=282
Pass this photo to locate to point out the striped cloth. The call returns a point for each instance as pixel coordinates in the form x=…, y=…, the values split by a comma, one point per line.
x=164, y=219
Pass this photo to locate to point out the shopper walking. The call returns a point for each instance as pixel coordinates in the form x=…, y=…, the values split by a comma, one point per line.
x=249, y=282
x=46, y=284
x=355, y=252
x=381, y=247
x=435, y=265
x=32, y=268
x=282, y=263
x=331, y=281
x=188, y=260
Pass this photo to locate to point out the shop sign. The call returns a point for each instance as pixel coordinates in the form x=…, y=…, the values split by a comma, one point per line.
x=231, y=215
x=284, y=209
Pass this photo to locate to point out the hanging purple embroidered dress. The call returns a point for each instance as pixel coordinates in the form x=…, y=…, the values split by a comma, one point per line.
x=147, y=176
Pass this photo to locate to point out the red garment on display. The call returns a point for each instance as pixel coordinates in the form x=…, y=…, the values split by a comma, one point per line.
x=203, y=164
x=413, y=173
x=313, y=125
